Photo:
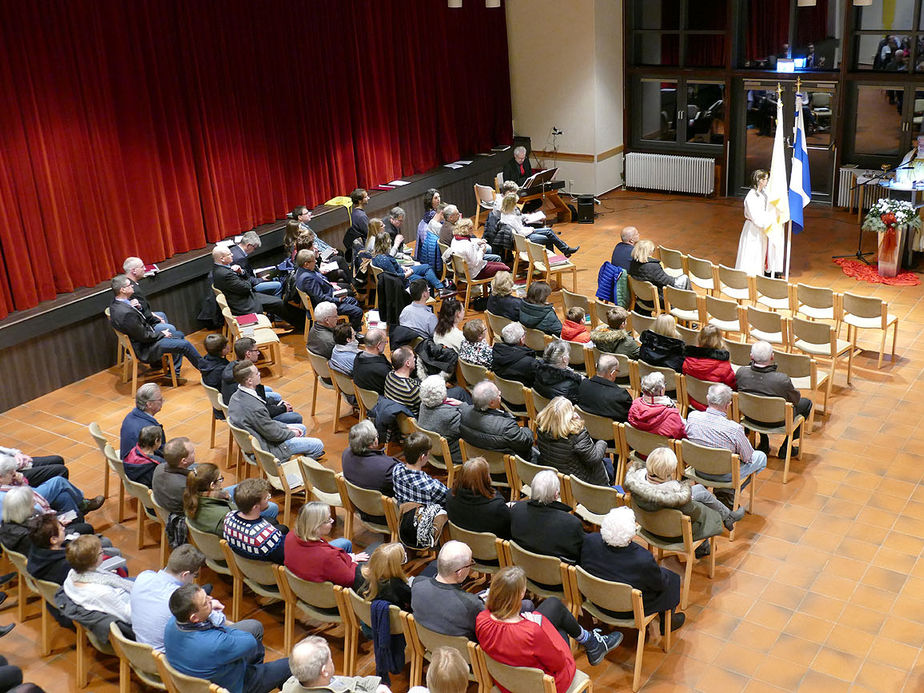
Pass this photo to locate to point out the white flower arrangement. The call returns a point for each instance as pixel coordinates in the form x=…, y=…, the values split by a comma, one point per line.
x=886, y=214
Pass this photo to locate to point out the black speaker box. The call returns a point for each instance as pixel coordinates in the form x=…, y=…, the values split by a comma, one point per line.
x=585, y=208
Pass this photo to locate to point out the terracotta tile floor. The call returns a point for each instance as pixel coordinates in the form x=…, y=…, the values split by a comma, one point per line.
x=821, y=590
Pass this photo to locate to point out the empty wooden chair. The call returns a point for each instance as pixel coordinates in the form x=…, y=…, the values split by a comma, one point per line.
x=373, y=504
x=319, y=601
x=686, y=306
x=673, y=262
x=319, y=481
x=772, y=294
x=771, y=415
x=735, y=284
x=728, y=316
x=868, y=313
x=703, y=274
x=484, y=202
x=820, y=339
x=591, y=502
x=817, y=303
x=767, y=326
x=101, y=441
x=134, y=657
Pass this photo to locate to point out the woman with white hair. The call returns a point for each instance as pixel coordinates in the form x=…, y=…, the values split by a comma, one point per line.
x=565, y=444
x=654, y=486
x=553, y=376
x=545, y=525
x=610, y=554
x=440, y=413
x=654, y=412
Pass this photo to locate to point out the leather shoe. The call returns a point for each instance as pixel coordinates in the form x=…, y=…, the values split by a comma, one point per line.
x=6, y=629
x=677, y=619
x=571, y=251
x=703, y=550
x=91, y=504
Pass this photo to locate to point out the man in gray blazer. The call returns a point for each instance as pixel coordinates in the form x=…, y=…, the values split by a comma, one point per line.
x=247, y=410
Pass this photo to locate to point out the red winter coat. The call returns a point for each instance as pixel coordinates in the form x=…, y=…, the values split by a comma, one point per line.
x=575, y=332
x=657, y=418
x=319, y=561
x=710, y=365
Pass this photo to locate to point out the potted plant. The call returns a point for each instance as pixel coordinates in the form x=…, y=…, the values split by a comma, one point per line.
x=890, y=218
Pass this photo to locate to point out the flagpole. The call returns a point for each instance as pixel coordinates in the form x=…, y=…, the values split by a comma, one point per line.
x=788, y=246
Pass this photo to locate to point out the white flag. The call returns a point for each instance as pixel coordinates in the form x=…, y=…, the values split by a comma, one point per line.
x=777, y=187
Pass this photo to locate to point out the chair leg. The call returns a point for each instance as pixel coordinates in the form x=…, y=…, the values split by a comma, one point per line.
x=106, y=476
x=339, y=397
x=666, y=641
x=287, y=509
x=687, y=576
x=46, y=630
x=164, y=546
x=125, y=676
x=212, y=433
x=21, y=596
x=711, y=557
x=237, y=587
x=314, y=395
x=639, y=655
x=121, y=501
x=788, y=457
x=140, y=534
x=169, y=364
x=885, y=333
x=894, y=337
x=288, y=628
x=82, y=673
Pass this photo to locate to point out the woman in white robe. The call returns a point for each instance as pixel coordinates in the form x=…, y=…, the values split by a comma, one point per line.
x=752, y=247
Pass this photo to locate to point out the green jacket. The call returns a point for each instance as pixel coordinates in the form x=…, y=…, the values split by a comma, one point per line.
x=211, y=515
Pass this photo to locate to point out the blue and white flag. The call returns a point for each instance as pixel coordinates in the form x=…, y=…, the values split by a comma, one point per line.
x=800, y=184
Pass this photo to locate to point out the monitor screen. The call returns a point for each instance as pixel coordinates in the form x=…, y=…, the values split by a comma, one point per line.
x=799, y=63
x=785, y=65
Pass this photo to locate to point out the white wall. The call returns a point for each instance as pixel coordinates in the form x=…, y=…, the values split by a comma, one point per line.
x=566, y=71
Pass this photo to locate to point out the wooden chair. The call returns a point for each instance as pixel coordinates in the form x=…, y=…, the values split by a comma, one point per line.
x=181, y=683
x=537, y=339
x=344, y=384
x=591, y=503
x=282, y=476
x=803, y=372
x=571, y=300
x=598, y=310
x=520, y=474
x=513, y=396
x=217, y=405
x=440, y=455
x=692, y=389
x=772, y=294
x=373, y=504
x=817, y=303
x=820, y=339
x=463, y=275
x=484, y=202
x=672, y=382
x=696, y=460
x=521, y=255
x=366, y=399
x=497, y=466
x=868, y=313
x=540, y=262
x=114, y=464
x=638, y=323
x=636, y=443
x=673, y=262
x=767, y=326
x=86, y=638
x=101, y=441
x=320, y=482
x=496, y=324
x=667, y=522
x=356, y=610
x=25, y=583
x=689, y=336
x=686, y=306
x=602, y=428
x=323, y=376
x=319, y=601
x=487, y=549
x=47, y=590
x=141, y=493
x=267, y=341
x=627, y=377
x=735, y=284
x=129, y=362
x=163, y=519
x=646, y=293
x=770, y=415
x=423, y=642
x=536, y=403
x=473, y=373
x=728, y=316
x=137, y=657
x=546, y=576
x=739, y=353
x=703, y=274
x=578, y=354
x=259, y=576
x=210, y=545
x=246, y=460
x=601, y=598
x=530, y=679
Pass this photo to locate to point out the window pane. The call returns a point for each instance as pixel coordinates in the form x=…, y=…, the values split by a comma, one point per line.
x=659, y=110
x=705, y=112
x=887, y=15
x=818, y=115
x=766, y=33
x=817, y=36
x=919, y=52
x=886, y=53
x=761, y=123
x=917, y=126
x=706, y=14
x=657, y=14
x=879, y=127
x=705, y=50
x=653, y=48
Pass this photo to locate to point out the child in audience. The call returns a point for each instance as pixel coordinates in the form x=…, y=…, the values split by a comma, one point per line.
x=574, y=329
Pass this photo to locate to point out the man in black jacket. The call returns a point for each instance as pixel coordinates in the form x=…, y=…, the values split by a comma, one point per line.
x=242, y=297
x=134, y=270
x=518, y=169
x=149, y=345
x=601, y=395
x=488, y=426
x=512, y=359
x=371, y=367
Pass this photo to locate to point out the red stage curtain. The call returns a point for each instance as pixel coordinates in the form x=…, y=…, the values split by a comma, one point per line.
x=152, y=128
x=768, y=28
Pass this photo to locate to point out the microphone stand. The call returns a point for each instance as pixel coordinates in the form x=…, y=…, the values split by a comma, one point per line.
x=860, y=254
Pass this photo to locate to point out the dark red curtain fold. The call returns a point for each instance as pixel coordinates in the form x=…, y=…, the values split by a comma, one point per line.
x=768, y=28
x=155, y=127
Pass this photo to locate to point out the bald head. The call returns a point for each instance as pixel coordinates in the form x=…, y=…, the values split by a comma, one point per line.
x=453, y=561
x=629, y=235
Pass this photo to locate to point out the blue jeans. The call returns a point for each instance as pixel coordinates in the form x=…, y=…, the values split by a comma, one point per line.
x=289, y=417
x=179, y=348
x=492, y=257
x=350, y=307
x=312, y=447
x=61, y=495
x=758, y=463
x=342, y=543
x=272, y=396
x=548, y=238
x=427, y=273
x=273, y=288
x=165, y=325
x=271, y=512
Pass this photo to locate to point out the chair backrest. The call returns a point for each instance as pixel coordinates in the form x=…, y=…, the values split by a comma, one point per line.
x=343, y=382
x=760, y=409
x=815, y=301
x=799, y=367
x=689, y=336
x=432, y=641
x=775, y=289
x=497, y=323
x=680, y=298
x=308, y=306
x=214, y=397
x=496, y=464
x=672, y=259
x=20, y=562
x=670, y=375
x=473, y=372
x=539, y=401
x=600, y=309
x=440, y=455
x=645, y=292
x=484, y=545
x=571, y=299
x=640, y=322
x=721, y=309
x=520, y=244
x=362, y=609
x=526, y=471
x=536, y=339
x=320, y=595
x=816, y=334
x=257, y=574
x=207, y=543
x=597, y=499
x=599, y=427
x=242, y=438
x=765, y=320
x=695, y=389
x=271, y=468
x=734, y=279
x=644, y=442
x=484, y=196
x=320, y=366
x=140, y=657
x=369, y=397
x=97, y=434
x=512, y=391
x=519, y=678
x=612, y=596
x=321, y=480
x=739, y=353
x=666, y=522
x=539, y=569
x=537, y=256
x=181, y=683
x=702, y=272
x=864, y=306
x=576, y=356
x=706, y=460
x=369, y=501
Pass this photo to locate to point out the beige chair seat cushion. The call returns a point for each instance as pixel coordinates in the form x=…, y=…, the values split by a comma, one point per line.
x=868, y=323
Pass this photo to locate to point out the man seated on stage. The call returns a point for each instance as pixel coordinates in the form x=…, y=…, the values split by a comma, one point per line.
x=242, y=299
x=622, y=253
x=250, y=242
x=370, y=367
x=134, y=270
x=148, y=401
x=149, y=344
x=37, y=469
x=320, y=289
x=518, y=169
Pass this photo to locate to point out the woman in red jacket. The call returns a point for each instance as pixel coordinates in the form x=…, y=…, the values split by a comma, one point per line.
x=539, y=638
x=708, y=361
x=654, y=412
x=312, y=558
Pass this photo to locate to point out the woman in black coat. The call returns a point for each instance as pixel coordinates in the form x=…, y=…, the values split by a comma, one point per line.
x=662, y=344
x=475, y=505
x=565, y=444
x=647, y=268
x=502, y=302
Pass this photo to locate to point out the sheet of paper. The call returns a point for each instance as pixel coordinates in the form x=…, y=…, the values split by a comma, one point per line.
x=399, y=182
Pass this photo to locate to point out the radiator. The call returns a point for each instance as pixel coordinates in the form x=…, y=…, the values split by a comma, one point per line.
x=689, y=174
x=847, y=193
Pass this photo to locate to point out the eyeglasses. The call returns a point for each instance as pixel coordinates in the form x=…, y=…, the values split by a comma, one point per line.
x=466, y=566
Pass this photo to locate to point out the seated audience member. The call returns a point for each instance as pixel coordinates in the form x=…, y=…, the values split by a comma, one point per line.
x=227, y=657
x=451, y=217
x=708, y=360
x=393, y=222
x=512, y=359
x=370, y=368
x=18, y=511
x=214, y=362
x=279, y=410
x=400, y=385
x=662, y=345
x=92, y=588
x=142, y=460
x=647, y=268
x=439, y=603
x=601, y=395
x=364, y=464
x=385, y=577
x=47, y=557
x=37, y=470
x=474, y=504
x=240, y=258
x=417, y=315
x=622, y=253
x=537, y=639
x=205, y=502
x=714, y=429
x=133, y=267
x=435, y=224
x=383, y=259
x=610, y=554
x=346, y=348
x=420, y=525
x=149, y=400
x=475, y=348
x=574, y=329
x=247, y=533
x=149, y=344
x=440, y=413
x=313, y=558
x=151, y=596
x=241, y=296
x=654, y=486
x=487, y=425
x=169, y=481
x=313, y=671
x=502, y=301
x=553, y=376
x=476, y=252
x=565, y=444
x=538, y=312
x=320, y=289
x=613, y=338
x=447, y=672
x=511, y=216
x=543, y=524
x=321, y=335
x=518, y=169
x=247, y=410
x=507, y=187
x=359, y=223
x=447, y=332
x=431, y=200
x=57, y=493
x=761, y=377
x=654, y=412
